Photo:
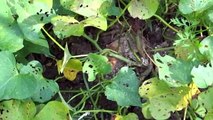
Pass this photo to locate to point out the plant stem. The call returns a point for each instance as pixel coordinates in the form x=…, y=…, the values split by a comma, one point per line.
x=95, y=111
x=161, y=49
x=121, y=58
x=117, y=18
x=94, y=42
x=167, y=24
x=88, y=89
x=51, y=38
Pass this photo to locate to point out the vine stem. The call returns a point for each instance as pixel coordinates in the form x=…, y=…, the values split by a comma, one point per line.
x=94, y=42
x=121, y=14
x=167, y=24
x=53, y=39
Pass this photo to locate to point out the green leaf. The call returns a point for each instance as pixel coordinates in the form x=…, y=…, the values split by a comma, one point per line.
x=96, y=64
x=12, y=84
x=10, y=35
x=130, y=116
x=205, y=99
x=45, y=89
x=161, y=98
x=124, y=88
x=25, y=81
x=54, y=110
x=66, y=26
x=143, y=9
x=85, y=8
x=38, y=46
x=187, y=46
x=198, y=108
x=32, y=16
x=189, y=6
x=206, y=47
x=202, y=76
x=98, y=22
x=174, y=72
x=17, y=110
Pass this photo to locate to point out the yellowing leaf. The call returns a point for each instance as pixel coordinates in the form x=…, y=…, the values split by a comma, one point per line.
x=71, y=69
x=118, y=117
x=193, y=90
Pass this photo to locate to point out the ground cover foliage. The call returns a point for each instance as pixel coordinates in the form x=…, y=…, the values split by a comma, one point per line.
x=153, y=81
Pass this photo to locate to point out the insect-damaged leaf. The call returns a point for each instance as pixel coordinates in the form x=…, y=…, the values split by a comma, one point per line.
x=11, y=38
x=17, y=110
x=31, y=16
x=205, y=100
x=124, y=88
x=66, y=26
x=161, y=98
x=25, y=81
x=174, y=72
x=143, y=9
x=26, y=110
x=96, y=64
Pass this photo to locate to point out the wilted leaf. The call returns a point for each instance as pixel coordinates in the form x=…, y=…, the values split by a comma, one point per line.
x=124, y=88
x=71, y=69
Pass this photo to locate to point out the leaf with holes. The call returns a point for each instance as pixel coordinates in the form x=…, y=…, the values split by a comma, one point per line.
x=45, y=89
x=189, y=6
x=21, y=82
x=174, y=72
x=162, y=99
x=17, y=110
x=124, y=88
x=85, y=8
x=206, y=47
x=26, y=110
x=205, y=99
x=202, y=76
x=71, y=69
x=96, y=64
x=31, y=16
x=143, y=9
x=11, y=39
x=13, y=84
x=66, y=26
